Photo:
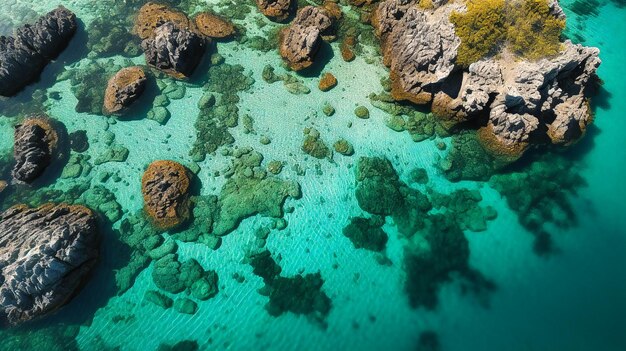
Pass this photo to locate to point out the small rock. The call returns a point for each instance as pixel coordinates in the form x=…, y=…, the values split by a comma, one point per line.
x=362, y=112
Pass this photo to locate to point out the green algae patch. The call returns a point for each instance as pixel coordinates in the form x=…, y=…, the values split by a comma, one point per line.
x=300, y=294
x=314, y=145
x=218, y=114
x=173, y=276
x=431, y=225
x=540, y=194
x=250, y=191
x=367, y=233
x=468, y=160
x=378, y=186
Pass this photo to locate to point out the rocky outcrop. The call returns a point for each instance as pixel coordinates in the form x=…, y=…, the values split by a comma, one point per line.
x=174, y=50
x=171, y=41
x=213, y=26
x=152, y=15
x=24, y=56
x=276, y=10
x=34, y=147
x=123, y=89
x=300, y=41
x=525, y=102
x=165, y=188
x=46, y=254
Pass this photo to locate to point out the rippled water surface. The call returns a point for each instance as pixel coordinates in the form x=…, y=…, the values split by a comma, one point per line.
x=509, y=297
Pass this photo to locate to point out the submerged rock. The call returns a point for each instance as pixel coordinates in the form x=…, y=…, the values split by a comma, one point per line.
x=327, y=82
x=367, y=233
x=124, y=88
x=152, y=15
x=276, y=10
x=35, y=144
x=213, y=26
x=24, y=56
x=165, y=187
x=45, y=256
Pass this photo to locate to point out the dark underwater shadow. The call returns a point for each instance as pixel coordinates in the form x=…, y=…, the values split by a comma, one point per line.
x=322, y=58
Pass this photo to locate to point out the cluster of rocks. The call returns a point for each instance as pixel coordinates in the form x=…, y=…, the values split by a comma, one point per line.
x=24, y=56
x=46, y=253
x=301, y=40
x=172, y=42
x=524, y=102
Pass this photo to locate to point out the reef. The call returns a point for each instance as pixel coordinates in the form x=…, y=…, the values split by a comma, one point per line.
x=46, y=254
x=24, y=56
x=123, y=89
x=540, y=194
x=300, y=41
x=367, y=233
x=165, y=188
x=249, y=190
x=276, y=10
x=35, y=146
x=516, y=102
x=300, y=294
x=218, y=109
x=435, y=247
x=170, y=275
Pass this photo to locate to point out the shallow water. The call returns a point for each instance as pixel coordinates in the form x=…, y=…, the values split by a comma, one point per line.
x=573, y=299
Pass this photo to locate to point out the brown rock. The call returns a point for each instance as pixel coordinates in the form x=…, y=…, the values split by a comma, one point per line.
x=327, y=82
x=151, y=15
x=276, y=10
x=347, y=48
x=300, y=41
x=213, y=26
x=165, y=187
x=124, y=88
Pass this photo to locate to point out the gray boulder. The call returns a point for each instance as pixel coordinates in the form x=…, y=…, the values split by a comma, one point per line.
x=46, y=254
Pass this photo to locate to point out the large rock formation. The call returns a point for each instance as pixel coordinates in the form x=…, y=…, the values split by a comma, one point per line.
x=124, y=88
x=525, y=102
x=34, y=147
x=171, y=41
x=24, y=56
x=165, y=187
x=46, y=254
x=276, y=10
x=300, y=41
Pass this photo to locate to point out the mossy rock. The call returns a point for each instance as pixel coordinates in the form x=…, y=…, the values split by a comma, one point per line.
x=367, y=233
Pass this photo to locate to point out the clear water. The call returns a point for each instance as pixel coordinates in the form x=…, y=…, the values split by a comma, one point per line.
x=574, y=299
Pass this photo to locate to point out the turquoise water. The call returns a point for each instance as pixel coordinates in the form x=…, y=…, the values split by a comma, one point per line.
x=572, y=299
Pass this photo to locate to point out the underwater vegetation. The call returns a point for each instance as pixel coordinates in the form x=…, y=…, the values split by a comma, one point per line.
x=221, y=196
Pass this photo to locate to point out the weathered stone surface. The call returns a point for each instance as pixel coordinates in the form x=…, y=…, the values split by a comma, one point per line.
x=174, y=50
x=24, y=56
x=276, y=10
x=327, y=82
x=165, y=186
x=152, y=15
x=522, y=99
x=213, y=26
x=45, y=256
x=34, y=147
x=301, y=40
x=124, y=88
